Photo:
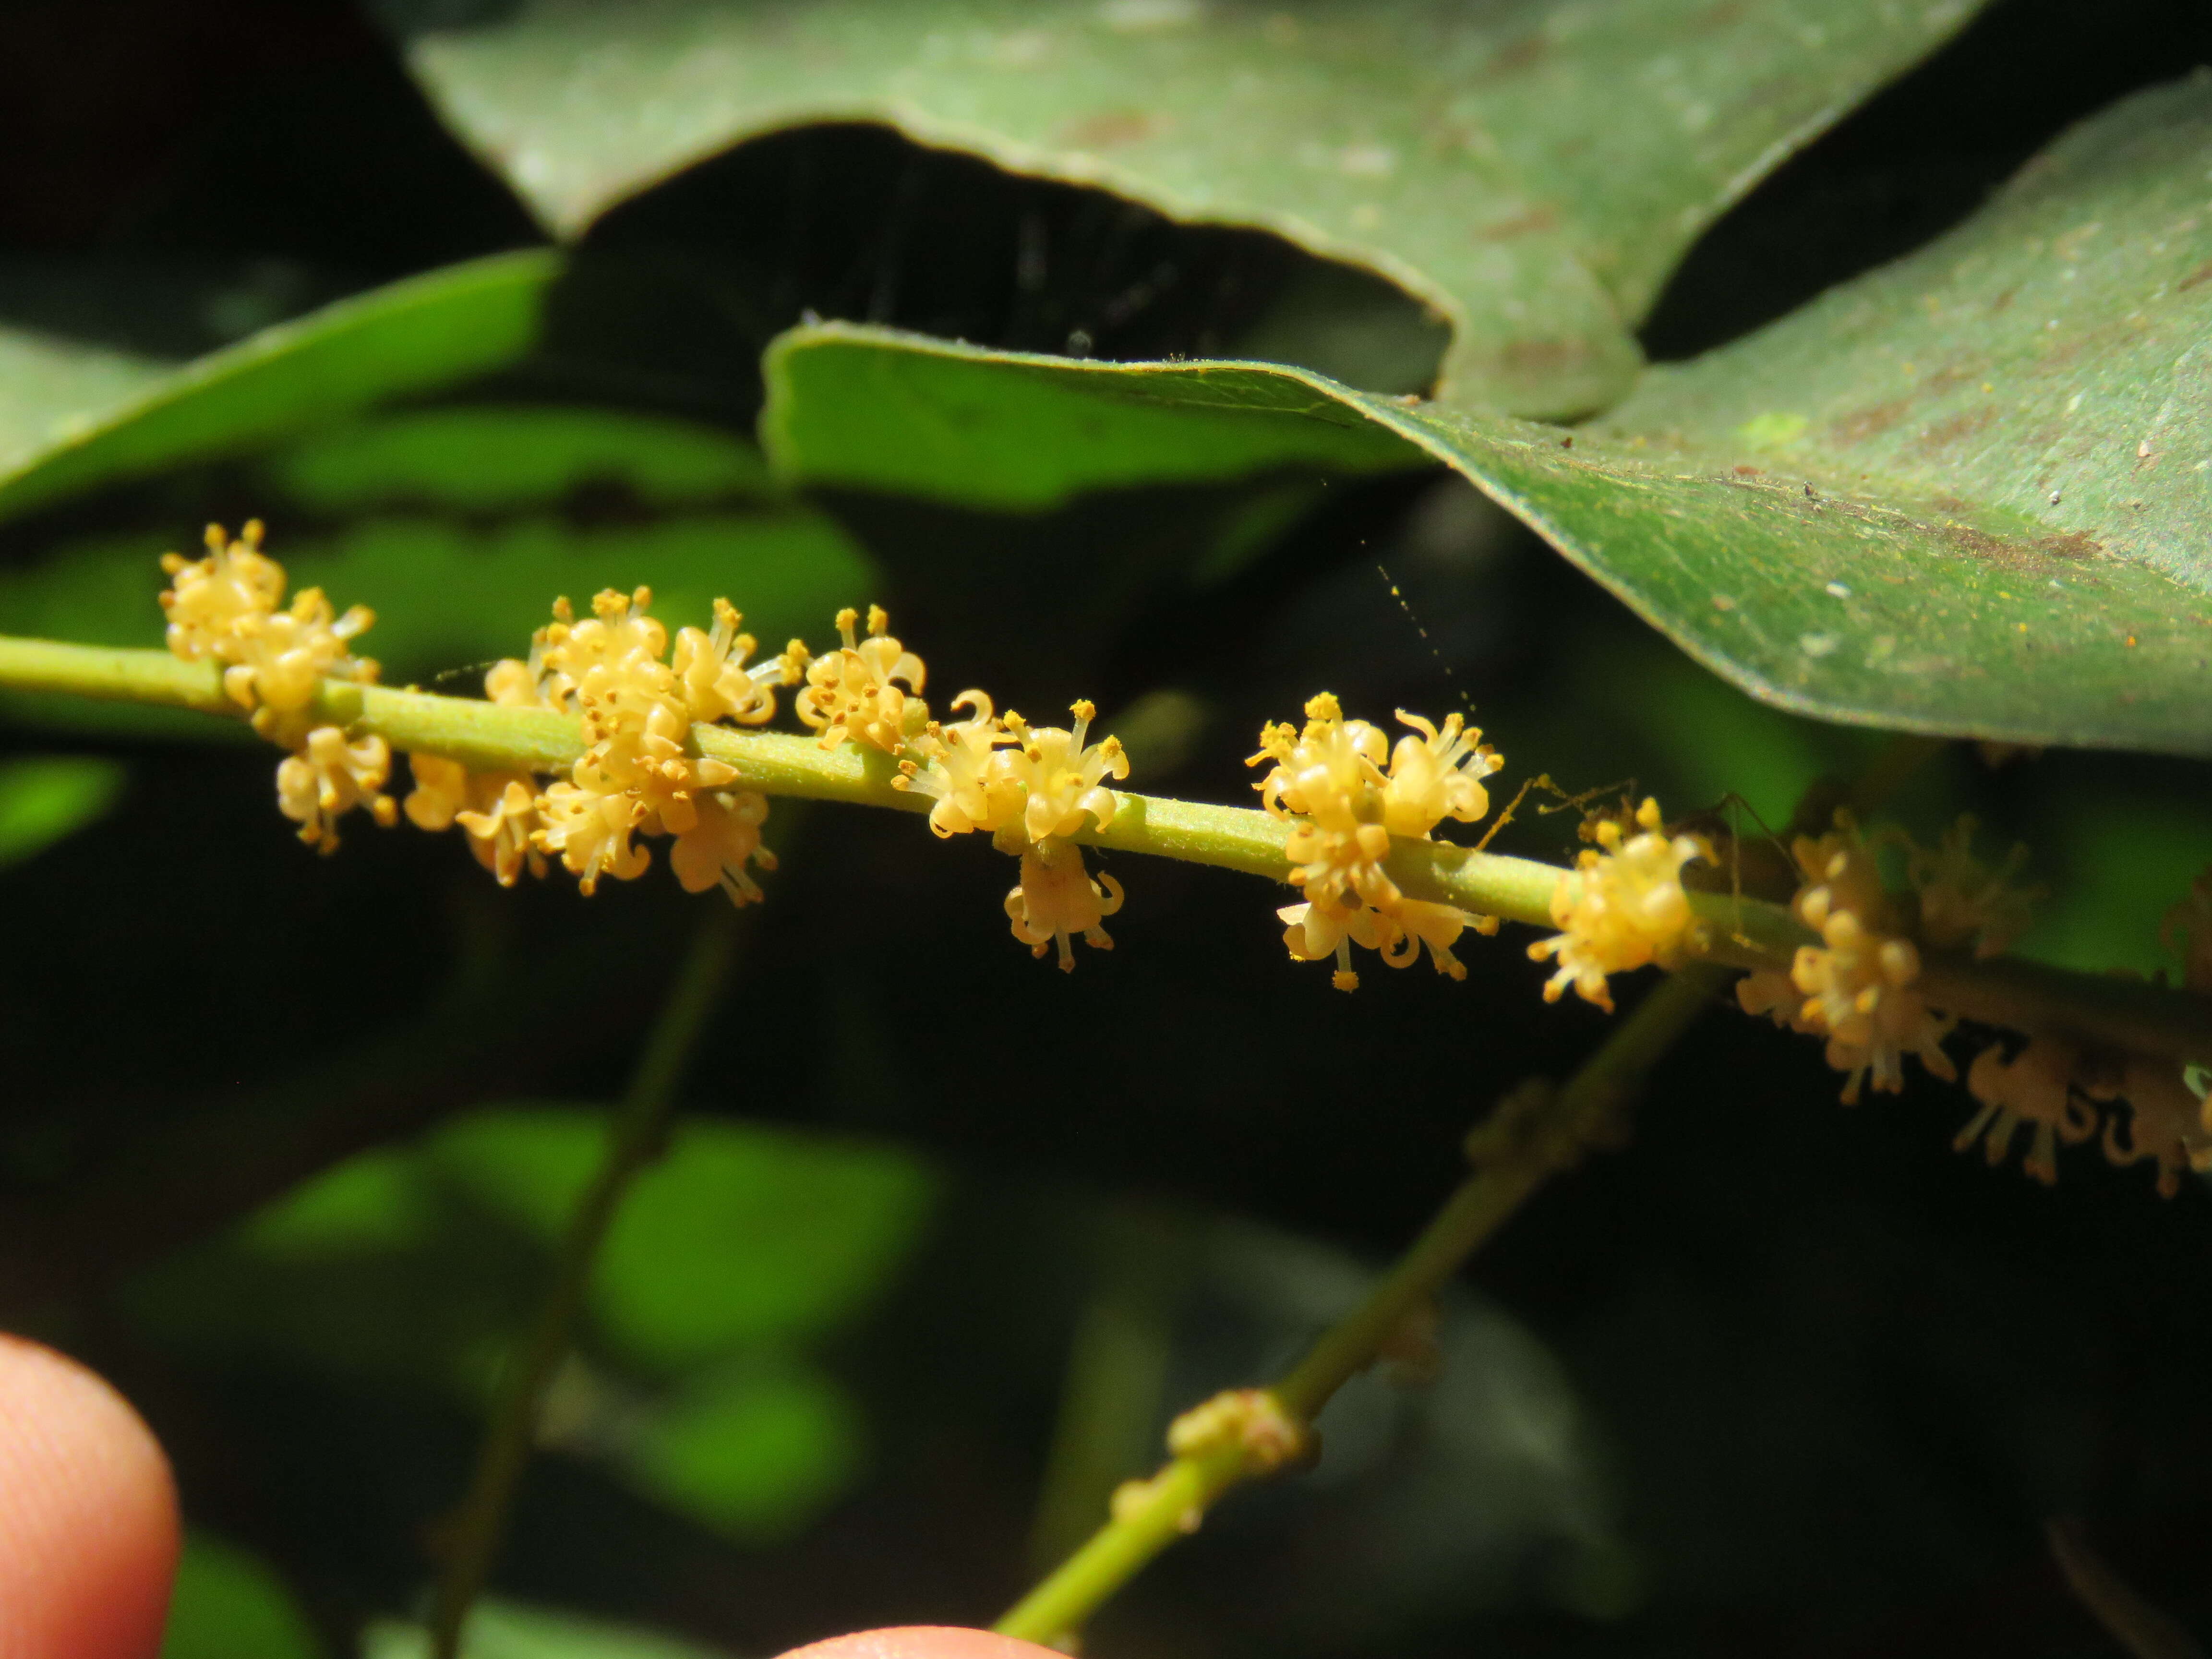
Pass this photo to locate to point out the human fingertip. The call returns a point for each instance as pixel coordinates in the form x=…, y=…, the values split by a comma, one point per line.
x=89, y=1527
x=923, y=1642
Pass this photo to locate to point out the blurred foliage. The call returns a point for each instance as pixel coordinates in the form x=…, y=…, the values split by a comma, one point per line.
x=732, y=1259
x=509, y=1630
x=43, y=800
x=873, y=310
x=228, y=1602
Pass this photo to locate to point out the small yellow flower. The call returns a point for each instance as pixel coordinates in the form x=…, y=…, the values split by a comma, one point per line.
x=497, y=810
x=1858, y=984
x=280, y=659
x=856, y=692
x=2187, y=927
x=614, y=639
x=638, y=775
x=1437, y=775
x=1332, y=769
x=956, y=769
x=209, y=600
x=225, y=608
x=724, y=838
x=2165, y=1121
x=1328, y=778
x=1315, y=933
x=589, y=833
x=1057, y=899
x=2034, y=1089
x=1622, y=906
x=716, y=685
x=502, y=827
x=1061, y=779
x=328, y=777
x=1963, y=900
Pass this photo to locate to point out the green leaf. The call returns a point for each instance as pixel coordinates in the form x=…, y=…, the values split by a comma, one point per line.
x=489, y=458
x=1530, y=170
x=414, y=336
x=415, y=1266
x=2030, y=400
x=500, y=1629
x=47, y=799
x=50, y=388
x=903, y=414
x=740, y=1234
x=755, y=1455
x=1848, y=514
x=228, y=1603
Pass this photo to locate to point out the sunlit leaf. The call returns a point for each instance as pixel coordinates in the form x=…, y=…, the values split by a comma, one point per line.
x=900, y=413
x=425, y=333
x=1530, y=170
x=54, y=387
x=1964, y=493
x=44, y=800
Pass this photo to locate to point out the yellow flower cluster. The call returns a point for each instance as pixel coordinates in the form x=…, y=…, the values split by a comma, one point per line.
x=2049, y=1087
x=229, y=608
x=2166, y=1122
x=1857, y=986
x=638, y=775
x=1329, y=781
x=1965, y=902
x=1622, y=906
x=1031, y=788
x=855, y=692
x=496, y=810
x=2034, y=1090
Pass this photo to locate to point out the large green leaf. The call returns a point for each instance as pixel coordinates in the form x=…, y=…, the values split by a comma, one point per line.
x=81, y=418
x=1967, y=494
x=878, y=410
x=51, y=389
x=1531, y=170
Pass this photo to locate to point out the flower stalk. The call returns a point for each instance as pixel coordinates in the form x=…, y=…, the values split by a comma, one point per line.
x=1534, y=1134
x=1746, y=932
x=639, y=1133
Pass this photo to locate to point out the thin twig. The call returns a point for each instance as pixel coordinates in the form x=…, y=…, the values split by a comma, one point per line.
x=2143, y=1630
x=2094, y=1009
x=1531, y=1138
x=637, y=1136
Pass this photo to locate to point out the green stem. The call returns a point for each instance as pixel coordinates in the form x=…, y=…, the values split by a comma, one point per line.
x=1185, y=1486
x=637, y=1135
x=1748, y=932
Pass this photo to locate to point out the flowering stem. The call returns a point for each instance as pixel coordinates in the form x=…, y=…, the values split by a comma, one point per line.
x=1748, y=932
x=1510, y=1168
x=639, y=1132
